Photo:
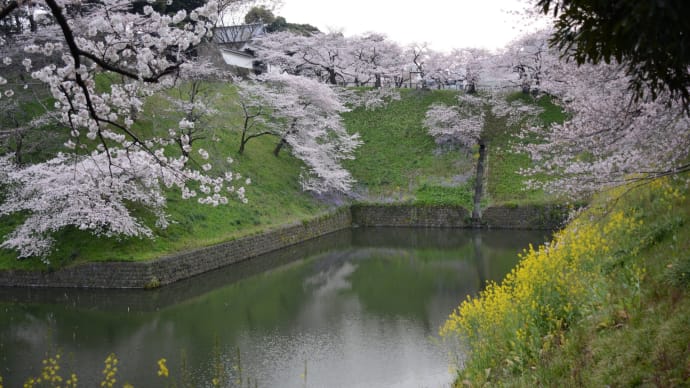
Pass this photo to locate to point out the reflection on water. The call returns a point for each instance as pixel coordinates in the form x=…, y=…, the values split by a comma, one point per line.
x=356, y=308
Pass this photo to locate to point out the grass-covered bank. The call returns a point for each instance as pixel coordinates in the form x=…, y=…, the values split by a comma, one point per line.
x=400, y=162
x=605, y=304
x=504, y=182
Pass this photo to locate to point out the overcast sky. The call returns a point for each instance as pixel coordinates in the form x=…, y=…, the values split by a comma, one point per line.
x=444, y=24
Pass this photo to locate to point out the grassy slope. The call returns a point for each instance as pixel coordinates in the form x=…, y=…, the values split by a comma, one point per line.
x=641, y=336
x=398, y=160
x=612, y=311
x=504, y=183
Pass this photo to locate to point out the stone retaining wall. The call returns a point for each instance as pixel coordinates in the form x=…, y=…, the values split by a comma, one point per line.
x=179, y=266
x=499, y=217
x=409, y=215
x=188, y=264
x=525, y=217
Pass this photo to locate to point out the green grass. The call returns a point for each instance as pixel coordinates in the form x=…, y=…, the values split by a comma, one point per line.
x=641, y=337
x=505, y=184
x=36, y=144
x=445, y=195
x=398, y=155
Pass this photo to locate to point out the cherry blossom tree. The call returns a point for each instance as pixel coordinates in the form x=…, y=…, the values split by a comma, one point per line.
x=529, y=57
x=439, y=68
x=304, y=115
x=369, y=99
x=417, y=55
x=195, y=105
x=24, y=132
x=334, y=59
x=611, y=138
x=77, y=191
x=648, y=38
x=463, y=123
x=623, y=82
x=193, y=100
x=108, y=61
x=256, y=99
x=515, y=112
x=459, y=124
x=374, y=57
x=324, y=56
x=474, y=61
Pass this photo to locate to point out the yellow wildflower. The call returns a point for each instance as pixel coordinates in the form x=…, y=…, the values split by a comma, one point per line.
x=109, y=371
x=162, y=368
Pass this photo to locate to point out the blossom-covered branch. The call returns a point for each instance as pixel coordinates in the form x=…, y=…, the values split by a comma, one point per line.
x=304, y=115
x=611, y=138
x=99, y=62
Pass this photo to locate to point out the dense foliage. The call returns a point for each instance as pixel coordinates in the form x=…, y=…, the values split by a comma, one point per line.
x=109, y=163
x=651, y=38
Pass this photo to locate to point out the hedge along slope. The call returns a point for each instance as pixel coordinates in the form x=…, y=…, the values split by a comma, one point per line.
x=591, y=307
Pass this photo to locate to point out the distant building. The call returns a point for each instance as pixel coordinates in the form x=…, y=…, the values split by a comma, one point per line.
x=234, y=44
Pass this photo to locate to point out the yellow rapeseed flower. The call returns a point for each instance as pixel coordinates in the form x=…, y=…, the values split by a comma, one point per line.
x=549, y=289
x=109, y=371
x=72, y=382
x=162, y=368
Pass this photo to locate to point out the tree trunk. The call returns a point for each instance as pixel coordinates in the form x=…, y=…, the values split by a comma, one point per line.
x=279, y=146
x=471, y=89
x=32, y=21
x=244, y=139
x=18, y=24
x=377, y=81
x=184, y=153
x=479, y=261
x=331, y=77
x=479, y=185
x=19, y=142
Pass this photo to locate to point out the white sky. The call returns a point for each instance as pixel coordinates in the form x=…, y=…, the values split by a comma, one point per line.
x=444, y=24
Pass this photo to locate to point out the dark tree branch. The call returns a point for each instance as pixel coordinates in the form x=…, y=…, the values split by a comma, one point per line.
x=76, y=54
x=4, y=12
x=259, y=134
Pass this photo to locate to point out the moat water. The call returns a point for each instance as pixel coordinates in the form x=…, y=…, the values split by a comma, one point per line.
x=357, y=308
